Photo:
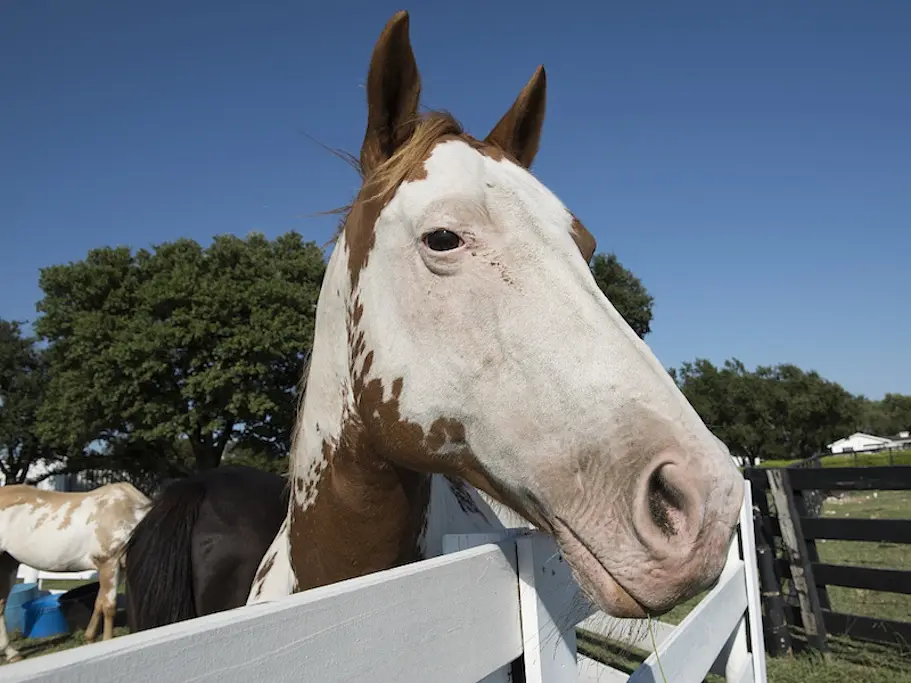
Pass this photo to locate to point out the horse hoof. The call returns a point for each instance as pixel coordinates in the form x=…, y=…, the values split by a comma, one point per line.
x=14, y=659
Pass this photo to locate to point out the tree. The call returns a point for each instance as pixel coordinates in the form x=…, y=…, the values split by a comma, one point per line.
x=23, y=379
x=625, y=291
x=887, y=417
x=779, y=412
x=179, y=350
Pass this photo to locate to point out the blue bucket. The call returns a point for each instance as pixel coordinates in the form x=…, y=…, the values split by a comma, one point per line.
x=44, y=618
x=15, y=614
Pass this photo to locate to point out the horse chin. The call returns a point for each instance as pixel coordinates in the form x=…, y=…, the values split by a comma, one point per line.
x=595, y=580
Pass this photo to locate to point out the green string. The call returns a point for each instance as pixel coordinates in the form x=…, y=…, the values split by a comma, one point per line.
x=655, y=650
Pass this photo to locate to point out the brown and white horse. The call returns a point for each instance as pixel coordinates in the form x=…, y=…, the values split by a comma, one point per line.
x=461, y=337
x=67, y=532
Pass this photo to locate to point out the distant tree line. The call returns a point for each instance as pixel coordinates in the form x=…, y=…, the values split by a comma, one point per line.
x=783, y=412
x=170, y=359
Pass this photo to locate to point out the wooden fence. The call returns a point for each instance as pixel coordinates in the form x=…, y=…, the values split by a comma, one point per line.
x=493, y=605
x=793, y=529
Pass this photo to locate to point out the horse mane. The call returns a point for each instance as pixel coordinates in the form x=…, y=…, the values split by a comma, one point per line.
x=429, y=128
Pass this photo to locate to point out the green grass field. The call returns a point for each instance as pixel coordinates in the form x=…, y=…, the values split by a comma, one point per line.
x=849, y=661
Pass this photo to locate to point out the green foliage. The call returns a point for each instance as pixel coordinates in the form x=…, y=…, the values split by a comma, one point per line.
x=251, y=456
x=23, y=379
x=779, y=412
x=887, y=417
x=179, y=350
x=625, y=291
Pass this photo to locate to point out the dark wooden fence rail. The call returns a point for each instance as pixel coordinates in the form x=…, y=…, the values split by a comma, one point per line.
x=793, y=529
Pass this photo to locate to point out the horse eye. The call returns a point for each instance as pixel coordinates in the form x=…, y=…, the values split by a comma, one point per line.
x=442, y=240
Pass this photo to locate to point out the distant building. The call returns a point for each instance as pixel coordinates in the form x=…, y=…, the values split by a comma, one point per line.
x=859, y=442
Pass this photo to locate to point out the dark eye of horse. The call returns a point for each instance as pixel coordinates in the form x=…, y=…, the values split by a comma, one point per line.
x=442, y=240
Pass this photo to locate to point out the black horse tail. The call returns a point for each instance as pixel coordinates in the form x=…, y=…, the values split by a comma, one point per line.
x=159, y=570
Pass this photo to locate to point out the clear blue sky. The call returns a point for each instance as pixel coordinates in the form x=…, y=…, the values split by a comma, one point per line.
x=751, y=164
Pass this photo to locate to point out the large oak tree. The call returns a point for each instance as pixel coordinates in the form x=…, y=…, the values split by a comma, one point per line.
x=179, y=348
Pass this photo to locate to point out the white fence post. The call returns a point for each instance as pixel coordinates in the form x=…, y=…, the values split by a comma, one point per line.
x=551, y=604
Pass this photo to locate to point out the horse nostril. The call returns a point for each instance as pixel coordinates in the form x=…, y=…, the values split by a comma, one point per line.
x=665, y=503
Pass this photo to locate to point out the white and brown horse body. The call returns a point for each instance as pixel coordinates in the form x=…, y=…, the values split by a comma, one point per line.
x=460, y=332
x=68, y=532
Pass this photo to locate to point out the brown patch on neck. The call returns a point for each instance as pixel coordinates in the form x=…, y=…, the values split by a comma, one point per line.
x=584, y=240
x=366, y=517
x=371, y=498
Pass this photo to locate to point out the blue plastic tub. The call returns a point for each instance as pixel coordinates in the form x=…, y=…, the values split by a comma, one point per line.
x=44, y=618
x=15, y=614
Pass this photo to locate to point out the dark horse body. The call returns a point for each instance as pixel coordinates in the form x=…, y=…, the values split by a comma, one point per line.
x=197, y=550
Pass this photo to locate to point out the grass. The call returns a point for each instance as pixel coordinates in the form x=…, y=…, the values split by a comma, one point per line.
x=872, y=505
x=32, y=647
x=849, y=660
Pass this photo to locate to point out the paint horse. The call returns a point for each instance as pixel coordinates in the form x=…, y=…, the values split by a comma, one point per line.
x=198, y=548
x=460, y=336
x=68, y=532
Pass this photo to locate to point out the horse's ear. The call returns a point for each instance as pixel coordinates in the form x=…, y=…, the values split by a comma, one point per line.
x=393, y=90
x=518, y=133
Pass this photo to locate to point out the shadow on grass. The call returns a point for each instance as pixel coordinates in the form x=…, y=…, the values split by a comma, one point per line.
x=35, y=647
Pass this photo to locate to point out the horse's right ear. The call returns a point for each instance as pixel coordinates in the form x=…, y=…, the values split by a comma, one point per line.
x=393, y=90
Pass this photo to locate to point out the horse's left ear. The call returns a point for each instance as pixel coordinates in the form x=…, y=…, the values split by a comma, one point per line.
x=518, y=133
x=393, y=91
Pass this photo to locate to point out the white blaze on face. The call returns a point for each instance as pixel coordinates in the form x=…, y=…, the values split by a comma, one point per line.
x=516, y=312
x=565, y=409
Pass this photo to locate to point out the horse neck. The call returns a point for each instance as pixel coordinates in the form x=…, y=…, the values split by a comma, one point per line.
x=351, y=512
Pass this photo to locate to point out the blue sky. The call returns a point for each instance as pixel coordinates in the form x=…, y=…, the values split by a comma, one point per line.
x=751, y=162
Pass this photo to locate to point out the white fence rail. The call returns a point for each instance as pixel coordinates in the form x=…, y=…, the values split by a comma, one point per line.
x=32, y=575
x=460, y=618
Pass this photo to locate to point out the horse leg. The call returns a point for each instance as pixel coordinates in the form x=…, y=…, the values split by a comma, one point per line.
x=109, y=608
x=106, y=601
x=8, y=567
x=92, y=628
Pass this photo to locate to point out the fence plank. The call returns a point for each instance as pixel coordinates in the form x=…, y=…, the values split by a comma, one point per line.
x=692, y=648
x=551, y=606
x=869, y=578
x=417, y=622
x=801, y=568
x=885, y=478
x=869, y=629
x=850, y=529
x=883, y=631
x=756, y=671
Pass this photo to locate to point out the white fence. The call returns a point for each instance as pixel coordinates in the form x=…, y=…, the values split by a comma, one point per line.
x=32, y=575
x=460, y=618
